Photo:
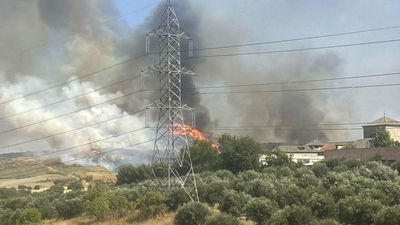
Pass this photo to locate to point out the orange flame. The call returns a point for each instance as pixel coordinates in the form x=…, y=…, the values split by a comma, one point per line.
x=193, y=133
x=95, y=151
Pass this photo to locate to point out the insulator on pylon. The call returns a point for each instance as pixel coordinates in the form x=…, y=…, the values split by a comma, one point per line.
x=190, y=48
x=147, y=44
x=194, y=118
x=146, y=118
x=142, y=80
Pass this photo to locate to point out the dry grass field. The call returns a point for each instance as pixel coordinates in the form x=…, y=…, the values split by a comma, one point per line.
x=167, y=219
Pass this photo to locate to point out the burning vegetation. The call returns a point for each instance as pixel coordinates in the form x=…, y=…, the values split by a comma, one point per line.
x=192, y=133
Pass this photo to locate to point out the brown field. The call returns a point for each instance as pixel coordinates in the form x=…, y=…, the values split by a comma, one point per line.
x=167, y=219
x=164, y=220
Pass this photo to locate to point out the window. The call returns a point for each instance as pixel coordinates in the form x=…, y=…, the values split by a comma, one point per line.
x=306, y=161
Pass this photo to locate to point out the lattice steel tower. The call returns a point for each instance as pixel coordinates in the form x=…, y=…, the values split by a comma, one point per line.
x=171, y=161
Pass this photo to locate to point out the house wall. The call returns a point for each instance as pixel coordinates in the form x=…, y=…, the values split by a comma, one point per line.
x=394, y=132
x=392, y=153
x=370, y=131
x=306, y=158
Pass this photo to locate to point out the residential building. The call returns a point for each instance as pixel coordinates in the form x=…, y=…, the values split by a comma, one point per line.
x=389, y=124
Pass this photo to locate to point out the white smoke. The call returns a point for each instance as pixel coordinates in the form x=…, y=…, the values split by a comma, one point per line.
x=50, y=41
x=118, y=129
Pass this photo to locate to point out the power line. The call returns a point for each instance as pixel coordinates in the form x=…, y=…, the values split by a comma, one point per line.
x=302, y=81
x=92, y=142
x=207, y=93
x=207, y=87
x=297, y=90
x=283, y=128
x=298, y=39
x=65, y=114
x=71, y=98
x=295, y=50
x=221, y=55
x=293, y=125
x=75, y=79
x=71, y=130
x=217, y=128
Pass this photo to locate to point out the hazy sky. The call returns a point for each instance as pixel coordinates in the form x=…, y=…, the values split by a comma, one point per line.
x=135, y=11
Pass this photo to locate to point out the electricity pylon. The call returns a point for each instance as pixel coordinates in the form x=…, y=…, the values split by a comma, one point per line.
x=171, y=161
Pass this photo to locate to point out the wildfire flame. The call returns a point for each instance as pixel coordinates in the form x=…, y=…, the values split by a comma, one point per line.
x=193, y=133
x=95, y=151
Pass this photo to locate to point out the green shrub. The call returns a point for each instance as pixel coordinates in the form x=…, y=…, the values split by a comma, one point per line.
x=22, y=187
x=204, y=156
x=388, y=216
x=31, y=216
x=75, y=185
x=151, y=205
x=130, y=174
x=260, y=210
x=320, y=169
x=299, y=215
x=96, y=203
x=222, y=219
x=288, y=193
x=98, y=208
x=118, y=203
x=325, y=222
x=176, y=198
x=322, y=206
x=278, y=218
x=45, y=205
x=260, y=188
x=212, y=192
x=36, y=187
x=6, y=193
x=193, y=213
x=234, y=203
x=57, y=189
x=239, y=153
x=358, y=210
x=9, y=216
x=69, y=208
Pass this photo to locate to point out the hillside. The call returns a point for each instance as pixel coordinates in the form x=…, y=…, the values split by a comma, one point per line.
x=20, y=170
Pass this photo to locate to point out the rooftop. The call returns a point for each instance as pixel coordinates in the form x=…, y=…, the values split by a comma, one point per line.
x=315, y=143
x=384, y=121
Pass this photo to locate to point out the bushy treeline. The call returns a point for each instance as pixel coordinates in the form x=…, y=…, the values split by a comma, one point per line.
x=101, y=202
x=332, y=192
x=336, y=191
x=234, y=154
